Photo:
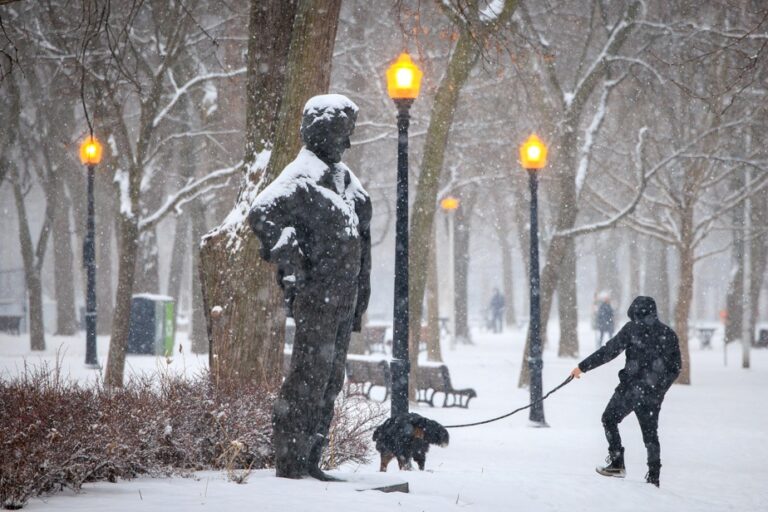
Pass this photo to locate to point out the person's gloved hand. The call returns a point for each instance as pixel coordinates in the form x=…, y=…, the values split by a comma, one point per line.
x=576, y=373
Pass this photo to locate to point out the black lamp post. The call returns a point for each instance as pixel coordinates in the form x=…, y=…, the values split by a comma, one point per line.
x=403, y=80
x=533, y=156
x=90, y=155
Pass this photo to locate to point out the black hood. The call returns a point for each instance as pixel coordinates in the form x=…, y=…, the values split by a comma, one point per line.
x=642, y=309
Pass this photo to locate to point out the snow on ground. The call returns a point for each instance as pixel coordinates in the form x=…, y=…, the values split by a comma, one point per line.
x=713, y=435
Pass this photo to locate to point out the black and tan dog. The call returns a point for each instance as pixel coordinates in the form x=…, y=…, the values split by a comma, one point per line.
x=407, y=437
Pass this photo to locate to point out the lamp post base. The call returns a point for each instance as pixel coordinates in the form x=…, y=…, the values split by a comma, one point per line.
x=92, y=366
x=538, y=424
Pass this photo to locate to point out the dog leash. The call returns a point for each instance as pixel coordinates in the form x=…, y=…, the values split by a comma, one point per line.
x=566, y=381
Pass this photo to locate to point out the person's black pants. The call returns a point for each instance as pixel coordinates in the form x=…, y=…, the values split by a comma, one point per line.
x=625, y=400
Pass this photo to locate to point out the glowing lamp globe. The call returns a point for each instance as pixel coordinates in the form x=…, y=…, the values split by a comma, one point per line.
x=533, y=153
x=90, y=151
x=403, y=79
x=449, y=203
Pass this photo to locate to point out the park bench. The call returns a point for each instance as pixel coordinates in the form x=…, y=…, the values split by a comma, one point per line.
x=364, y=374
x=11, y=315
x=370, y=340
x=762, y=339
x=374, y=337
x=10, y=324
x=434, y=379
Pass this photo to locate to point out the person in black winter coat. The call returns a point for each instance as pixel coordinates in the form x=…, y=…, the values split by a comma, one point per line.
x=652, y=365
x=604, y=321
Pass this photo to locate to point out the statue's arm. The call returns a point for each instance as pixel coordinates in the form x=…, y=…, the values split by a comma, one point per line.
x=364, y=214
x=273, y=222
x=268, y=221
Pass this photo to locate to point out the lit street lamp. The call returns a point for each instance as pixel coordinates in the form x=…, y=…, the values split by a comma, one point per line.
x=403, y=81
x=533, y=156
x=90, y=155
x=449, y=205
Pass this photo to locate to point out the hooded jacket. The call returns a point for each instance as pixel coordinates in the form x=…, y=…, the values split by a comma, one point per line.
x=652, y=350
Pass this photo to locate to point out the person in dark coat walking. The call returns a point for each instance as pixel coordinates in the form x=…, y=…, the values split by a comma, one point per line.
x=313, y=221
x=604, y=320
x=652, y=365
x=497, y=311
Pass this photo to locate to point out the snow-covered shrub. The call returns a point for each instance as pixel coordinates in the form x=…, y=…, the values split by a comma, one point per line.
x=56, y=433
x=349, y=438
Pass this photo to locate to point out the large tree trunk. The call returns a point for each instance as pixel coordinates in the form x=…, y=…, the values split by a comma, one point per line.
x=105, y=227
x=178, y=255
x=127, y=251
x=606, y=256
x=633, y=285
x=243, y=303
x=461, y=254
x=181, y=230
x=147, y=276
x=434, y=352
x=507, y=275
x=198, y=327
x=33, y=259
x=682, y=310
x=665, y=295
x=734, y=300
x=657, y=276
x=63, y=270
x=567, y=305
x=423, y=212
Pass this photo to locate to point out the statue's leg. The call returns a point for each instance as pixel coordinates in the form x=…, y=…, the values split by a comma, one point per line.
x=297, y=408
x=332, y=388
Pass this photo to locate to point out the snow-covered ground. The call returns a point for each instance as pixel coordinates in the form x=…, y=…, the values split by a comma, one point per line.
x=714, y=437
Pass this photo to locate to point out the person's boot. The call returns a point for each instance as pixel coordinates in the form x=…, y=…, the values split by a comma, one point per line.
x=652, y=477
x=314, y=459
x=615, y=466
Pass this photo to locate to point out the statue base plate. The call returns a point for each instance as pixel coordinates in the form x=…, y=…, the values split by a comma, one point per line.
x=382, y=482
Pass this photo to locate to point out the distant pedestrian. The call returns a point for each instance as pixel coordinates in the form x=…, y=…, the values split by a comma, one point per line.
x=604, y=319
x=497, y=311
x=652, y=365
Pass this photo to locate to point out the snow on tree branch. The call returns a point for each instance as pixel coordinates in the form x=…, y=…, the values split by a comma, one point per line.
x=632, y=204
x=589, y=136
x=180, y=91
x=187, y=193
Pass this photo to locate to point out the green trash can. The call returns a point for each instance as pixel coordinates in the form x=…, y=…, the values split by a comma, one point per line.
x=151, y=329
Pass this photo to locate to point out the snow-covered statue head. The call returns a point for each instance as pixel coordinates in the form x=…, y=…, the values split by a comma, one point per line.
x=326, y=125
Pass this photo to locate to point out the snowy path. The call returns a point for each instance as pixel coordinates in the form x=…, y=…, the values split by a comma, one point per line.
x=714, y=437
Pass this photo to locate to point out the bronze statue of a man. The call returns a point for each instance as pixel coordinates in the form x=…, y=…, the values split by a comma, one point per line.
x=313, y=221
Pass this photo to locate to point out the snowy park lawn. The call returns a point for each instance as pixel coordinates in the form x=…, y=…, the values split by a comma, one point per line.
x=714, y=438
